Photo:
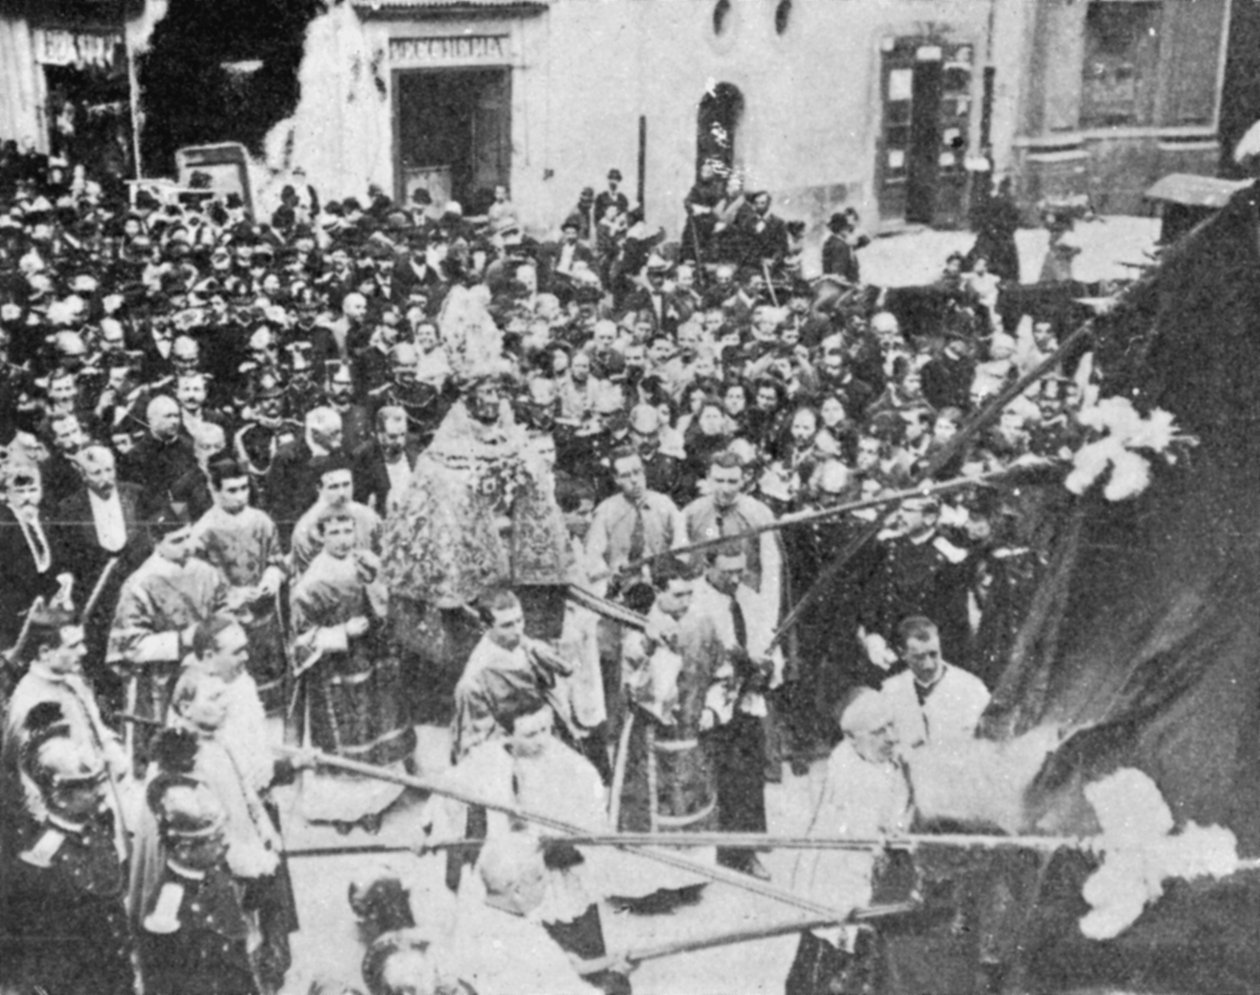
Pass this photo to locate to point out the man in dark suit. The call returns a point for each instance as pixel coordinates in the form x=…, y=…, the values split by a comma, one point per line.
x=556, y=260
x=655, y=299
x=383, y=465
x=769, y=232
x=29, y=565
x=612, y=197
x=417, y=276
x=292, y=486
x=163, y=455
x=103, y=521
x=60, y=472
x=839, y=257
x=343, y=337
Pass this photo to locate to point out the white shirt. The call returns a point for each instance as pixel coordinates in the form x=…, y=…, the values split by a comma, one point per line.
x=951, y=711
x=36, y=540
x=107, y=516
x=565, y=263
x=399, y=475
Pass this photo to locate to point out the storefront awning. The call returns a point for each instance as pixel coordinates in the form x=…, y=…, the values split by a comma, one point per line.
x=1194, y=191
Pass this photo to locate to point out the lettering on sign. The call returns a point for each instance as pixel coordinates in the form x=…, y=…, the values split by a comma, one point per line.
x=74, y=48
x=451, y=48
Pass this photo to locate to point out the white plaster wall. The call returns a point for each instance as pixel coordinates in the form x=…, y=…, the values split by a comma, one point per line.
x=20, y=85
x=585, y=70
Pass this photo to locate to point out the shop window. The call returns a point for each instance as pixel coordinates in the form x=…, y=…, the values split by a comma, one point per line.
x=1121, y=49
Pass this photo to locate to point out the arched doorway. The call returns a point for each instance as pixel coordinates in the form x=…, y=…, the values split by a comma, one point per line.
x=717, y=124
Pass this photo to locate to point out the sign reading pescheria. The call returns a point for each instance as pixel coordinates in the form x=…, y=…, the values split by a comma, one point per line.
x=452, y=49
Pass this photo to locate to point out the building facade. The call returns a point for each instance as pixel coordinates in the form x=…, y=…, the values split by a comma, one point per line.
x=824, y=103
x=1106, y=96
x=884, y=105
x=67, y=76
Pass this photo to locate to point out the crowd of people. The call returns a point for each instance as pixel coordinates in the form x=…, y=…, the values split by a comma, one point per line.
x=258, y=470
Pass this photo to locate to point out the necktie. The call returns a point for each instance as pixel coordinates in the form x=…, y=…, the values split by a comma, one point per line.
x=638, y=535
x=737, y=621
x=39, y=546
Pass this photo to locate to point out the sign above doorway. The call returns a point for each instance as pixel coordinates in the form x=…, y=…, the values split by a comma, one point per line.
x=462, y=50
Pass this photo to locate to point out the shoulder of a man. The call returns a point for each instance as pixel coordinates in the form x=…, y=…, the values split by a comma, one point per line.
x=657, y=501
x=962, y=682
x=698, y=508
x=757, y=512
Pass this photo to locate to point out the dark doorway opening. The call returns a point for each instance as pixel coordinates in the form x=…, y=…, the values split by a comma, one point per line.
x=89, y=116
x=920, y=169
x=925, y=141
x=717, y=123
x=453, y=134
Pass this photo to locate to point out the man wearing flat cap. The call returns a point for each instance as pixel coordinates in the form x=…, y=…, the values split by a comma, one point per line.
x=612, y=197
x=557, y=260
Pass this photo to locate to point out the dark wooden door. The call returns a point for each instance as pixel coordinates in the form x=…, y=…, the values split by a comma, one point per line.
x=923, y=155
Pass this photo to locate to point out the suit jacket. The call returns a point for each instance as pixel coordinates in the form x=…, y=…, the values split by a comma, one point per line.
x=21, y=582
x=291, y=486
x=549, y=259
x=157, y=465
x=371, y=478
x=324, y=346
x=417, y=277
x=670, y=313
x=61, y=479
x=76, y=542
x=839, y=259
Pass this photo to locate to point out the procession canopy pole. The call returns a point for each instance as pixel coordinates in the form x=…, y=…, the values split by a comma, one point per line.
x=925, y=489
x=730, y=937
x=946, y=453
x=747, y=841
x=712, y=872
x=611, y=610
x=763, y=841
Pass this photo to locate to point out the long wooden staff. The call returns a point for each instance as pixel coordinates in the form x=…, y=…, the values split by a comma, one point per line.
x=808, y=518
x=714, y=873
x=98, y=590
x=724, y=938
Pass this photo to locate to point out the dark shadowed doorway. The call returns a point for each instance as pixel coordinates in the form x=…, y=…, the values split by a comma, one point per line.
x=453, y=134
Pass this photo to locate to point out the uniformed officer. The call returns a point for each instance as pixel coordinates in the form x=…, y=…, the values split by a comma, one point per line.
x=266, y=429
x=420, y=400
x=68, y=877
x=193, y=928
x=920, y=573
x=302, y=391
